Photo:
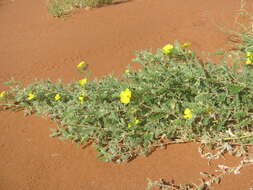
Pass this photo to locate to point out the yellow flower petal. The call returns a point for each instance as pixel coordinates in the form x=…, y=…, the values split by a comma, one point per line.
x=248, y=61
x=31, y=96
x=81, y=99
x=83, y=82
x=187, y=113
x=2, y=94
x=125, y=96
x=168, y=48
x=124, y=100
x=137, y=121
x=188, y=116
x=185, y=45
x=57, y=97
x=249, y=54
x=128, y=93
x=81, y=65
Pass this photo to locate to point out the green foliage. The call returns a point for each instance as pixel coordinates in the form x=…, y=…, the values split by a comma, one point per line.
x=60, y=8
x=219, y=97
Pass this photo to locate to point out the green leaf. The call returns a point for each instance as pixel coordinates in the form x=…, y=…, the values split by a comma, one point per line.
x=235, y=89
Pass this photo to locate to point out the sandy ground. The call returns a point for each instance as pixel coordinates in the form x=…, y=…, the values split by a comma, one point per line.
x=35, y=45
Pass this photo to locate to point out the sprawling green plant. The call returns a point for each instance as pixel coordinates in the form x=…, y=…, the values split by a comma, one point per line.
x=174, y=96
x=241, y=59
x=60, y=8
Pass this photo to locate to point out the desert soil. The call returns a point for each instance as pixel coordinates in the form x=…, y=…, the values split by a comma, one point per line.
x=35, y=45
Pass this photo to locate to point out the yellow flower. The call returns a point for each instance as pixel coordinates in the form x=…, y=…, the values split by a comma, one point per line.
x=81, y=98
x=57, y=97
x=187, y=113
x=81, y=65
x=189, y=51
x=125, y=96
x=127, y=71
x=185, y=45
x=83, y=82
x=168, y=48
x=31, y=96
x=2, y=94
x=137, y=121
x=249, y=54
x=124, y=99
x=248, y=61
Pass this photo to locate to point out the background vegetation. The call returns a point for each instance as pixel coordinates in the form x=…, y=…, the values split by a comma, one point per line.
x=60, y=8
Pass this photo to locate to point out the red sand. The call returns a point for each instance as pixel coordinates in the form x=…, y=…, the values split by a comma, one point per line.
x=35, y=45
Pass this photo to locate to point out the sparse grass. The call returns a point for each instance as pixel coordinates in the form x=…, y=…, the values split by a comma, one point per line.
x=61, y=8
